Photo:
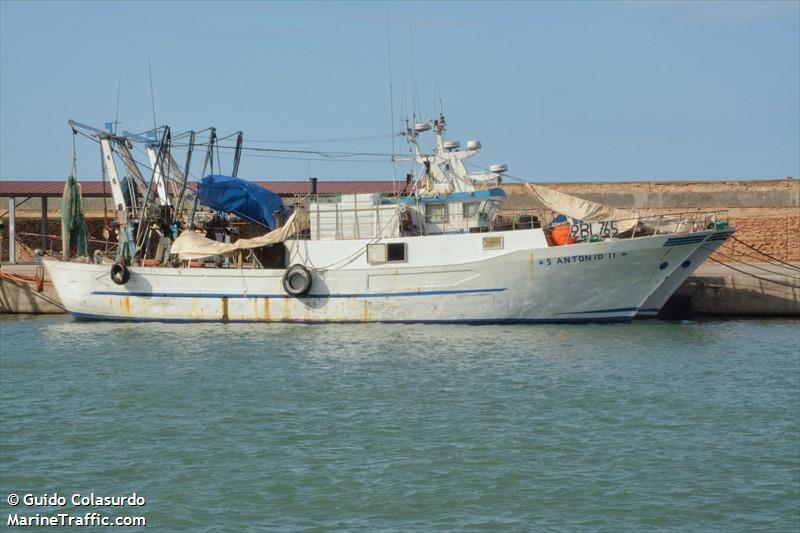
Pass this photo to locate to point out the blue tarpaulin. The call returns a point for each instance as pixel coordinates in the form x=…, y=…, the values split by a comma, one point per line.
x=242, y=198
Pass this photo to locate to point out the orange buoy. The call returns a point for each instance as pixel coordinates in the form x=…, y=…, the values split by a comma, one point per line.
x=561, y=235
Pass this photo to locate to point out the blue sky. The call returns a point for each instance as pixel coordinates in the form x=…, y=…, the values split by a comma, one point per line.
x=560, y=91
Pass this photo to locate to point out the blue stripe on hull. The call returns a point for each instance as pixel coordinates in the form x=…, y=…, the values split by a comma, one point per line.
x=309, y=296
x=614, y=310
x=720, y=237
x=685, y=240
x=473, y=322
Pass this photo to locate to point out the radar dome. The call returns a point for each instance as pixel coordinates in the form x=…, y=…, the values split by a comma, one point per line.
x=473, y=145
x=451, y=145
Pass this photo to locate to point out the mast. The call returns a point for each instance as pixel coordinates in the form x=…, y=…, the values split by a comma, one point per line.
x=158, y=176
x=237, y=156
x=183, y=176
x=143, y=230
x=445, y=169
x=111, y=172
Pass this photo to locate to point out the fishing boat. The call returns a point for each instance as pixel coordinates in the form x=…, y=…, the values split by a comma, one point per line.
x=443, y=250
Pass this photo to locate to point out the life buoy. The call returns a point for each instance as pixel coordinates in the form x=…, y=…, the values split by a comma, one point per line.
x=120, y=274
x=297, y=280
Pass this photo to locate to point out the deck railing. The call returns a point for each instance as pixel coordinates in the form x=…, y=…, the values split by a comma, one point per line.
x=343, y=223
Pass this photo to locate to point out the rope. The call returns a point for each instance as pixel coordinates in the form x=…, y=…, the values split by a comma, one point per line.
x=765, y=254
x=74, y=154
x=58, y=237
x=776, y=282
x=733, y=259
x=106, y=227
x=22, y=278
x=760, y=258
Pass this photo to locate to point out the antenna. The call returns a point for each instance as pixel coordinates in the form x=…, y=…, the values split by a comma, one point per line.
x=116, y=113
x=391, y=99
x=152, y=96
x=413, y=79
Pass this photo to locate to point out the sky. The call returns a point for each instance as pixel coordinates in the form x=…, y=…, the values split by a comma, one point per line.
x=559, y=91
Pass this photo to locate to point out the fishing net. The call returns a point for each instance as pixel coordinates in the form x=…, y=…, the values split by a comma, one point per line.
x=127, y=185
x=73, y=223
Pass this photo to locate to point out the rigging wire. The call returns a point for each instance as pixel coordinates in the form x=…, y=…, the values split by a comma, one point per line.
x=391, y=99
x=322, y=153
x=779, y=264
x=733, y=259
x=116, y=113
x=312, y=159
x=789, y=265
x=754, y=276
x=152, y=95
x=106, y=226
x=329, y=140
x=344, y=157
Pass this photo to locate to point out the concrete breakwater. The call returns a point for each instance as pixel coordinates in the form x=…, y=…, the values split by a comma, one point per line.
x=23, y=290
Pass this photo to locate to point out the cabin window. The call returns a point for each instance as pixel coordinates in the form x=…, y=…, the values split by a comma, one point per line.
x=435, y=212
x=394, y=252
x=471, y=209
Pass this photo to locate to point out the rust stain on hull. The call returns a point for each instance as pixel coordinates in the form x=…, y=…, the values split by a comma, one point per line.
x=224, y=309
x=286, y=314
x=125, y=303
x=197, y=309
x=266, y=316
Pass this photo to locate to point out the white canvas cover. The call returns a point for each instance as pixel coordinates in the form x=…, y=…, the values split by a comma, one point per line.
x=588, y=211
x=581, y=209
x=191, y=245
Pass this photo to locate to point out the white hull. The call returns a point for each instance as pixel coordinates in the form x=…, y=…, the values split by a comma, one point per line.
x=656, y=301
x=448, y=278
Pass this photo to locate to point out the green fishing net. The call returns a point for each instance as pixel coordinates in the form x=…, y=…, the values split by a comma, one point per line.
x=73, y=223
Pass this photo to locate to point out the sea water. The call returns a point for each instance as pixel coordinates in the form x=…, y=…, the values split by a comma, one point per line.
x=233, y=427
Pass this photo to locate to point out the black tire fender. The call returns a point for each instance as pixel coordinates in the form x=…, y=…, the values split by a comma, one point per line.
x=120, y=274
x=297, y=281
